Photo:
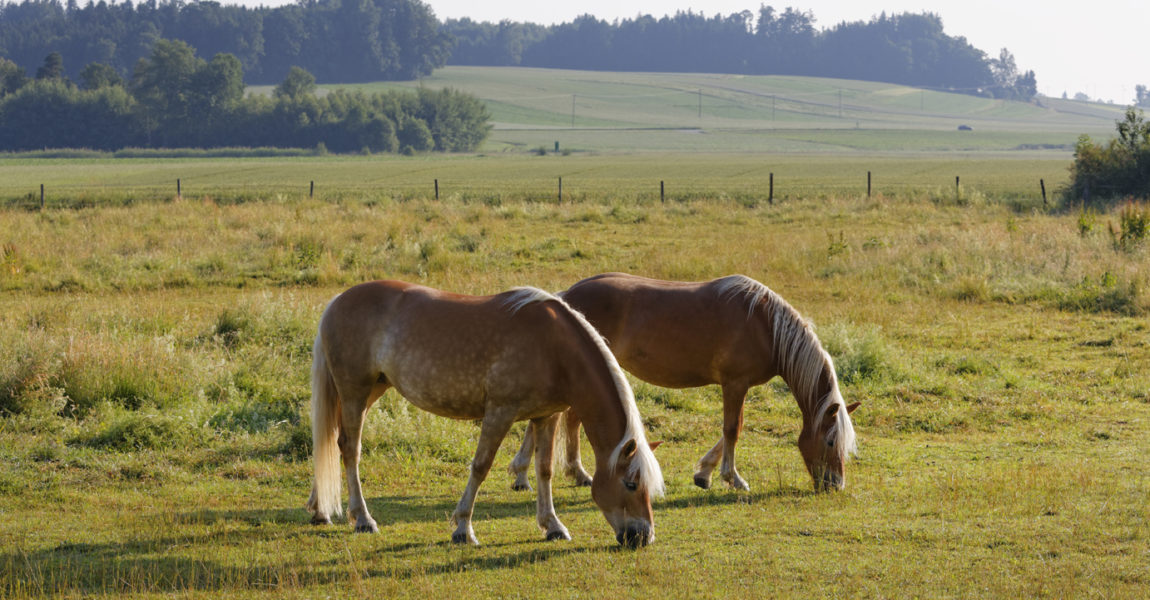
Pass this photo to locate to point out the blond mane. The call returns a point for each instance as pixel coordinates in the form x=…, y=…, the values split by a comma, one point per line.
x=644, y=466
x=801, y=357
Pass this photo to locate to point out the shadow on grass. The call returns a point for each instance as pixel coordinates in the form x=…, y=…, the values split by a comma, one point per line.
x=83, y=569
x=183, y=560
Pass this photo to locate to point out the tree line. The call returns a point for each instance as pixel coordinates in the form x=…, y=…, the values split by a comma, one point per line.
x=909, y=49
x=339, y=41
x=175, y=99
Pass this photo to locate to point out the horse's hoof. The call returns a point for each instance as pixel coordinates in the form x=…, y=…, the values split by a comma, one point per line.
x=558, y=534
x=521, y=487
x=703, y=482
x=583, y=483
x=318, y=520
x=367, y=528
x=463, y=538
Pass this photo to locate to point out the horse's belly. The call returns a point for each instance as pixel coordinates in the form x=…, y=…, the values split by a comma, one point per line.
x=446, y=393
x=663, y=369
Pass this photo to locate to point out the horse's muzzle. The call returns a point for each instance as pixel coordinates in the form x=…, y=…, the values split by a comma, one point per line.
x=831, y=482
x=635, y=535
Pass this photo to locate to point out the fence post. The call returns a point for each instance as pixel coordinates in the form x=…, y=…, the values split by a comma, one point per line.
x=179, y=194
x=956, y=186
x=311, y=190
x=41, y=197
x=771, y=190
x=868, y=185
x=437, y=189
x=560, y=190
x=1042, y=184
x=662, y=196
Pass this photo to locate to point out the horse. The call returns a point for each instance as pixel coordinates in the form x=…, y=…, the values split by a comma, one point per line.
x=522, y=354
x=732, y=331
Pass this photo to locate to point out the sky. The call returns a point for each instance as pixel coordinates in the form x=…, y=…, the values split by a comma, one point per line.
x=1098, y=48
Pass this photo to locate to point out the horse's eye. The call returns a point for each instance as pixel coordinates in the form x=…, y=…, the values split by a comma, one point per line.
x=831, y=442
x=630, y=485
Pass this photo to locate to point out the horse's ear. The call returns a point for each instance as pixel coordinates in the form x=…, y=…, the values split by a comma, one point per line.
x=851, y=408
x=628, y=451
x=832, y=412
x=654, y=445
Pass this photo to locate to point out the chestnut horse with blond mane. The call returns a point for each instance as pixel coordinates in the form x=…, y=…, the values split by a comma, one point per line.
x=522, y=354
x=732, y=331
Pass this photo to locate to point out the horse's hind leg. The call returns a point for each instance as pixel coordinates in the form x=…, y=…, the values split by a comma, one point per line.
x=574, y=466
x=522, y=460
x=496, y=423
x=357, y=400
x=545, y=516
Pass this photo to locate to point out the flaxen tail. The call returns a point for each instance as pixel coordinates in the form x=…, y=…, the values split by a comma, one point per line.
x=325, y=423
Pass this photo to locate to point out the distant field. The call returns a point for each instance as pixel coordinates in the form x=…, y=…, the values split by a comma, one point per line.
x=604, y=111
x=513, y=176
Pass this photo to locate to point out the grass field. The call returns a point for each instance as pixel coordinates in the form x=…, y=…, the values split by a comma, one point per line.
x=154, y=351
x=153, y=377
x=589, y=111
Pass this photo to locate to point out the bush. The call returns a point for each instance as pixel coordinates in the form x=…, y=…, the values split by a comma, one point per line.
x=1119, y=169
x=1133, y=222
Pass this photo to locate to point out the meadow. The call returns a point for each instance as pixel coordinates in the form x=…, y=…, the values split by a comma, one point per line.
x=155, y=350
x=154, y=387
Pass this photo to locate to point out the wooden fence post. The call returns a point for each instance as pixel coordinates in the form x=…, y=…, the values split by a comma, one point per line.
x=868, y=185
x=41, y=197
x=662, y=194
x=561, y=190
x=771, y=190
x=179, y=194
x=311, y=190
x=437, y=189
x=956, y=186
x=1042, y=184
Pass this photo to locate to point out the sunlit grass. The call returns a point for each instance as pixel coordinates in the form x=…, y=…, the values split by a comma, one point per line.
x=154, y=381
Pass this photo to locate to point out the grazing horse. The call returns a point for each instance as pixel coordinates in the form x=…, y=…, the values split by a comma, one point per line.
x=732, y=331
x=522, y=354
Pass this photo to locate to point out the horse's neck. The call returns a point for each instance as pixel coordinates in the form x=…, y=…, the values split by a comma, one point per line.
x=804, y=383
x=604, y=420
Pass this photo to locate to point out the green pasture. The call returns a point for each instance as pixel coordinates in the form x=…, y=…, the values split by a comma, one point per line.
x=154, y=357
x=594, y=111
x=522, y=176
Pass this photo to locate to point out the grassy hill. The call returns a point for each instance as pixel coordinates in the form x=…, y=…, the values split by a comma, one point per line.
x=692, y=112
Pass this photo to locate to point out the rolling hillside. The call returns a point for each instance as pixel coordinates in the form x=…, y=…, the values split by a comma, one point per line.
x=606, y=111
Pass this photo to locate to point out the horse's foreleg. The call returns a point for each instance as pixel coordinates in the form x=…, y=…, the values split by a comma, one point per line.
x=496, y=423
x=574, y=466
x=733, y=397
x=522, y=460
x=351, y=428
x=544, y=430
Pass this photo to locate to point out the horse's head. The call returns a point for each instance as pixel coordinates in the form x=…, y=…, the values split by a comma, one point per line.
x=622, y=492
x=826, y=443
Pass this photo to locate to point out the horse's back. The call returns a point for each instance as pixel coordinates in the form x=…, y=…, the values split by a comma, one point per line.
x=449, y=354
x=670, y=333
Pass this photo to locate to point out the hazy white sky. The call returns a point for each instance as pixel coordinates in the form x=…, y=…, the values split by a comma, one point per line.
x=1098, y=47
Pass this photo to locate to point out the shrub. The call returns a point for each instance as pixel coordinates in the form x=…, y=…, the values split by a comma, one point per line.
x=1133, y=222
x=1118, y=169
